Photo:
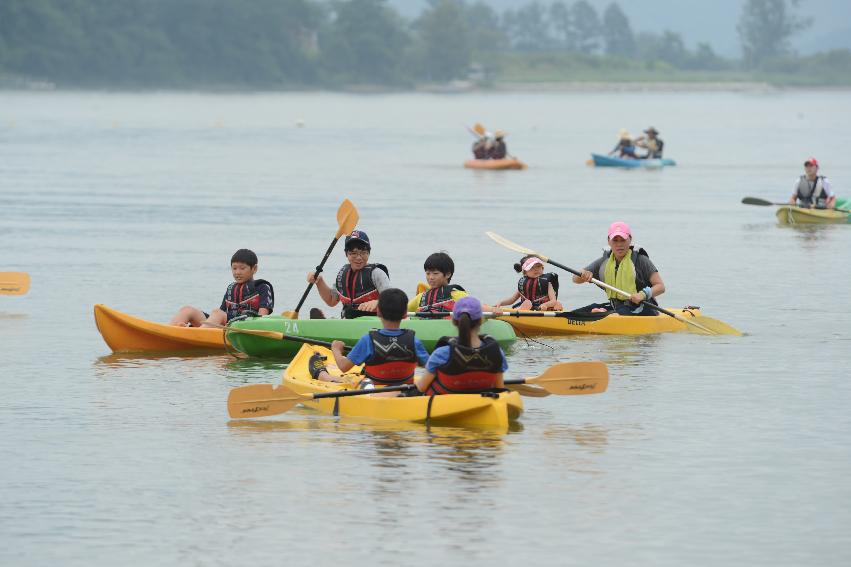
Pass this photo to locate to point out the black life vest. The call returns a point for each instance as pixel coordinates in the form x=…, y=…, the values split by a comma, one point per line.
x=498, y=151
x=244, y=299
x=439, y=299
x=356, y=287
x=469, y=370
x=479, y=150
x=393, y=359
x=536, y=290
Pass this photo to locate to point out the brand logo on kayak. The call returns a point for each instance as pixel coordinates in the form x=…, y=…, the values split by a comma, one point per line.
x=575, y=322
x=256, y=409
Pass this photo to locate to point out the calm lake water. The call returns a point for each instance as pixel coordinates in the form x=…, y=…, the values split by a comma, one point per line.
x=704, y=451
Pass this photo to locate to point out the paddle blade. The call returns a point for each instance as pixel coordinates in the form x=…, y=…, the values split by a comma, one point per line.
x=573, y=378
x=421, y=288
x=504, y=242
x=716, y=326
x=479, y=129
x=528, y=391
x=755, y=201
x=261, y=400
x=290, y=314
x=14, y=283
x=347, y=218
x=589, y=162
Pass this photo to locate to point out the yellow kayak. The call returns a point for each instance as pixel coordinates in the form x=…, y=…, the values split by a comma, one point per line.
x=797, y=215
x=560, y=323
x=492, y=411
x=494, y=164
x=125, y=333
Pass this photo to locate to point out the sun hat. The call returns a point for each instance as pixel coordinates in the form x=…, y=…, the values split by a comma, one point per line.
x=469, y=305
x=811, y=161
x=651, y=130
x=500, y=134
x=357, y=237
x=619, y=228
x=531, y=261
x=624, y=134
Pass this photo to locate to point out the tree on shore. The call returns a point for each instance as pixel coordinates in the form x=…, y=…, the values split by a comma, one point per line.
x=617, y=33
x=765, y=27
x=586, y=26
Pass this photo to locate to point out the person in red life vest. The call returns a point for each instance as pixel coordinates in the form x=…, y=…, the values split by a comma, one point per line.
x=358, y=283
x=535, y=289
x=389, y=355
x=244, y=297
x=441, y=295
x=468, y=363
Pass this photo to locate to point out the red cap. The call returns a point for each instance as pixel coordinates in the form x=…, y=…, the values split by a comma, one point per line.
x=811, y=161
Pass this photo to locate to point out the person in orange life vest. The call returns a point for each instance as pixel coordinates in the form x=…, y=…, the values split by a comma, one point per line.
x=441, y=295
x=535, y=289
x=468, y=363
x=389, y=355
x=358, y=283
x=245, y=296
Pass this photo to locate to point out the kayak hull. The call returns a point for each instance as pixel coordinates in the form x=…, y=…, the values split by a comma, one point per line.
x=494, y=164
x=429, y=331
x=609, y=161
x=789, y=214
x=609, y=325
x=450, y=410
x=125, y=333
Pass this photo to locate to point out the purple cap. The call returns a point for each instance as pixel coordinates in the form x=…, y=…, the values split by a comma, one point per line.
x=358, y=237
x=469, y=305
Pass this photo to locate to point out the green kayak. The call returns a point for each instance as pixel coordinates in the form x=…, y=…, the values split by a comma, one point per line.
x=349, y=331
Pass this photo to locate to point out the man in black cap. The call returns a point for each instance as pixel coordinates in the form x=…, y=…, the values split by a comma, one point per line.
x=652, y=143
x=358, y=283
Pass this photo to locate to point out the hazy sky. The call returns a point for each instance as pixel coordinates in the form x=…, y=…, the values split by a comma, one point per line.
x=711, y=21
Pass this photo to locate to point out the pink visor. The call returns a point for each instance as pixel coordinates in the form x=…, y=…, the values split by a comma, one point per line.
x=527, y=265
x=619, y=228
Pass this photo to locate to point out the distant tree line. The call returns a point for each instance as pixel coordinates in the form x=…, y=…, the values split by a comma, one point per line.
x=291, y=43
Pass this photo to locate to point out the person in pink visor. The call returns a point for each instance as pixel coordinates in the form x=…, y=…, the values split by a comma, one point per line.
x=535, y=289
x=627, y=269
x=813, y=190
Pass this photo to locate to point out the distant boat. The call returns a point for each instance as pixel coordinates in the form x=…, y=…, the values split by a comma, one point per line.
x=507, y=163
x=608, y=161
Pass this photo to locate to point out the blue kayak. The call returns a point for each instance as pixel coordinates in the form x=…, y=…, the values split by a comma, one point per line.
x=608, y=161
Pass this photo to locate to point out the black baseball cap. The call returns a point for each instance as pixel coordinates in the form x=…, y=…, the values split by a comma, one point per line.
x=357, y=239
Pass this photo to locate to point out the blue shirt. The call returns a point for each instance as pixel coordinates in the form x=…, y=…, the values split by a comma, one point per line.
x=440, y=356
x=363, y=349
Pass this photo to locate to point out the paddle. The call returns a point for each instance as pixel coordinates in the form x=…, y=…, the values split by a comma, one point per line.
x=717, y=327
x=274, y=335
x=565, y=379
x=14, y=283
x=347, y=220
x=764, y=203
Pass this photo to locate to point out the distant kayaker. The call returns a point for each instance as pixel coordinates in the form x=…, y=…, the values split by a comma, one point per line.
x=389, y=355
x=480, y=149
x=467, y=363
x=535, y=289
x=813, y=190
x=627, y=269
x=244, y=297
x=358, y=283
x=441, y=295
x=499, y=150
x=625, y=148
x=652, y=143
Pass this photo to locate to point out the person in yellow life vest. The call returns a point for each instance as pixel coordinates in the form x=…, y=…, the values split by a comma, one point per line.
x=627, y=269
x=441, y=295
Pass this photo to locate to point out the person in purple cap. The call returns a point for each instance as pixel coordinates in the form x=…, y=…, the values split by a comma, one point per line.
x=627, y=269
x=468, y=363
x=358, y=283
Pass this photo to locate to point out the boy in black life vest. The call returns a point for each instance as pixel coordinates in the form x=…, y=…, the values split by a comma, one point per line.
x=389, y=355
x=441, y=295
x=468, y=363
x=245, y=296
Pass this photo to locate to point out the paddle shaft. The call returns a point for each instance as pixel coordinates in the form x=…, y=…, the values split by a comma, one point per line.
x=283, y=337
x=347, y=393
x=316, y=275
x=763, y=203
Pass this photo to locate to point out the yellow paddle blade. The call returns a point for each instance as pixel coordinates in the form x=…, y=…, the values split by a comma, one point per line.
x=716, y=326
x=589, y=162
x=274, y=335
x=347, y=218
x=528, y=391
x=290, y=314
x=421, y=288
x=504, y=242
x=262, y=400
x=573, y=378
x=479, y=129
x=14, y=283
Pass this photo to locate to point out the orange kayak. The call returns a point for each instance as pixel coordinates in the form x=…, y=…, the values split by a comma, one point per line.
x=494, y=164
x=125, y=333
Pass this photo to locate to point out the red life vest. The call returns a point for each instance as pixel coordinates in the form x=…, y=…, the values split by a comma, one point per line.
x=245, y=299
x=356, y=287
x=439, y=299
x=393, y=360
x=537, y=289
x=469, y=370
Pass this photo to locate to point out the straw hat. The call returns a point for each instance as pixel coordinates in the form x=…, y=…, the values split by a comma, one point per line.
x=624, y=134
x=500, y=134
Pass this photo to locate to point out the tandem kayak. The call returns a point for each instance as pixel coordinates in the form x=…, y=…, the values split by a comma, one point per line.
x=608, y=161
x=565, y=323
x=349, y=331
x=125, y=333
x=789, y=214
x=492, y=411
x=494, y=164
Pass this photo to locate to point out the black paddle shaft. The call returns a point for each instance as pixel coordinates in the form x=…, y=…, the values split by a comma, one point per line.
x=347, y=393
x=318, y=271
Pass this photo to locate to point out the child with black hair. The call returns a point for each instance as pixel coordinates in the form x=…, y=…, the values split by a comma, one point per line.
x=536, y=290
x=389, y=355
x=244, y=297
x=468, y=363
x=441, y=295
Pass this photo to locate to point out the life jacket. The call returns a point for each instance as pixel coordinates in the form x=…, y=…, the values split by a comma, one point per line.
x=811, y=193
x=536, y=290
x=245, y=298
x=499, y=150
x=640, y=283
x=393, y=360
x=439, y=299
x=468, y=370
x=654, y=148
x=479, y=150
x=356, y=287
